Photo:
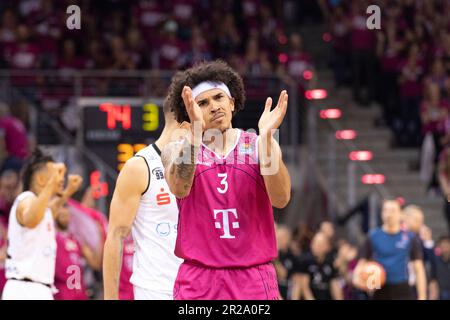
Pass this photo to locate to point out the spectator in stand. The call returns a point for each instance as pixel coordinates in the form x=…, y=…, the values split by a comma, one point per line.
x=362, y=42
x=407, y=125
x=340, y=29
x=227, y=38
x=13, y=141
x=445, y=53
x=434, y=113
x=389, y=50
x=444, y=181
x=47, y=25
x=438, y=76
x=137, y=50
x=149, y=14
x=345, y=263
x=121, y=58
x=198, y=52
x=440, y=275
x=284, y=265
x=8, y=29
x=9, y=189
x=298, y=60
x=271, y=30
x=3, y=254
x=183, y=13
x=415, y=222
x=301, y=239
x=24, y=53
x=250, y=13
x=318, y=279
x=96, y=58
x=69, y=59
x=170, y=48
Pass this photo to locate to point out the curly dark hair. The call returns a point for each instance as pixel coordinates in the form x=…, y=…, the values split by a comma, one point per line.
x=218, y=71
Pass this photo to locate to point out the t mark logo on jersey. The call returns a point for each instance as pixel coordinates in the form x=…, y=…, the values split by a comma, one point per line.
x=225, y=225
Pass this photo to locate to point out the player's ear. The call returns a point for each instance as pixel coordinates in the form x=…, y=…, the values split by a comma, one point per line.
x=40, y=177
x=232, y=104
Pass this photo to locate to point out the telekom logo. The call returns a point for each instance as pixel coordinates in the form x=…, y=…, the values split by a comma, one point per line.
x=225, y=225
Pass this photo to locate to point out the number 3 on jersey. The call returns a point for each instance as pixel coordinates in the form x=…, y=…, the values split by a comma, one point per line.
x=223, y=182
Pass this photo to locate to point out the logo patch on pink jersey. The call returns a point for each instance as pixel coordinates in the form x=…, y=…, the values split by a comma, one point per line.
x=246, y=148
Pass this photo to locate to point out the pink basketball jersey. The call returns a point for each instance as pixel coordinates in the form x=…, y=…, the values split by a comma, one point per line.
x=227, y=219
x=68, y=263
x=125, y=286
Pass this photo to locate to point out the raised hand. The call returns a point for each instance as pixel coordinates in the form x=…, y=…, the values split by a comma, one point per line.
x=271, y=120
x=74, y=182
x=197, y=124
x=192, y=108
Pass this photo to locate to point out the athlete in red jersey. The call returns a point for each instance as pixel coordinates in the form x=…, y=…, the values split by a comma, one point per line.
x=226, y=182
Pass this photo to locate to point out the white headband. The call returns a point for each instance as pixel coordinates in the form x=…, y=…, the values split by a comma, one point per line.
x=208, y=85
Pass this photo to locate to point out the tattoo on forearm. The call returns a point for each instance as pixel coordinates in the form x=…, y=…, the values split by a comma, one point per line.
x=186, y=167
x=181, y=160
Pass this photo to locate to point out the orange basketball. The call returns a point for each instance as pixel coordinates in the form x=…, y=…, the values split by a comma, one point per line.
x=372, y=276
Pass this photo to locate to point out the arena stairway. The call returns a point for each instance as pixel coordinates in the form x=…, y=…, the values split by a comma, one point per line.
x=399, y=165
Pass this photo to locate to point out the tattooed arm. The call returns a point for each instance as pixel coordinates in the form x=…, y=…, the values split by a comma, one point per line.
x=178, y=159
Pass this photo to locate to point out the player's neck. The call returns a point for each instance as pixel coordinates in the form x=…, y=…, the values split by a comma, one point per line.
x=229, y=137
x=165, y=137
x=35, y=189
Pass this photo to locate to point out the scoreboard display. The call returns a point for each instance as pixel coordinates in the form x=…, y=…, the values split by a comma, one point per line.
x=115, y=129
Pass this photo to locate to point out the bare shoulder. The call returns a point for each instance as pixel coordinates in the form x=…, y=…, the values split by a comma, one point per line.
x=23, y=206
x=134, y=175
x=135, y=165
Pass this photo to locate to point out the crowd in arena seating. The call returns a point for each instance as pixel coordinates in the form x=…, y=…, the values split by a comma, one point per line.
x=317, y=264
x=405, y=67
x=147, y=34
x=410, y=58
x=251, y=35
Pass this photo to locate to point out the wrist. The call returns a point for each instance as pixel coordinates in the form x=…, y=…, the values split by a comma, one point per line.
x=263, y=133
x=193, y=140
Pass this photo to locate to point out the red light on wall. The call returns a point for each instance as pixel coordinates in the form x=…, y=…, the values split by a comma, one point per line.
x=360, y=155
x=373, y=179
x=330, y=113
x=308, y=75
x=282, y=57
x=316, y=94
x=116, y=113
x=345, y=134
x=99, y=189
x=327, y=37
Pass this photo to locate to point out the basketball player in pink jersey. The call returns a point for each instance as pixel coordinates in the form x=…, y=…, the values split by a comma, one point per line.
x=70, y=254
x=226, y=181
x=143, y=205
